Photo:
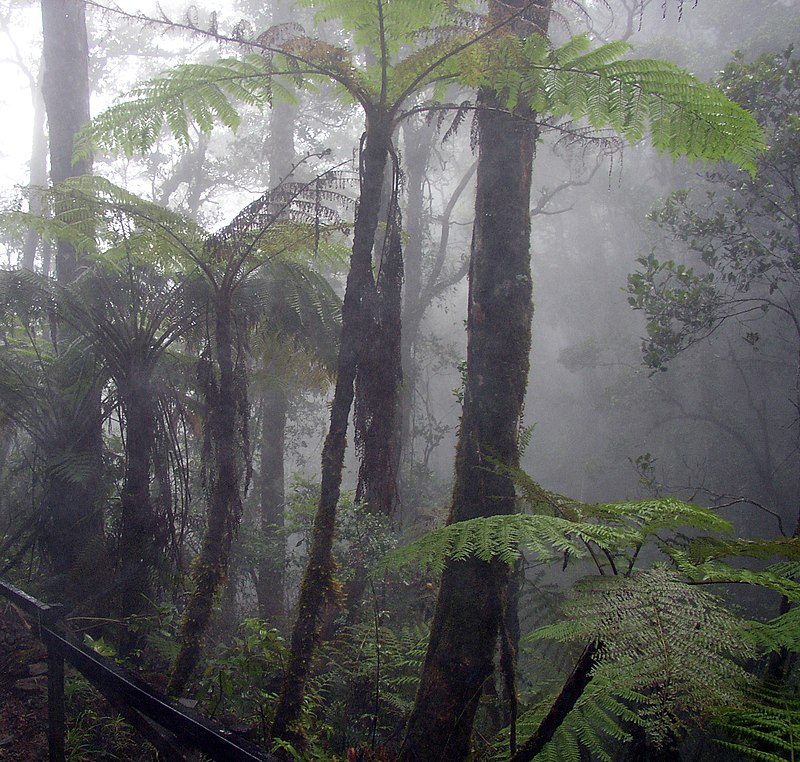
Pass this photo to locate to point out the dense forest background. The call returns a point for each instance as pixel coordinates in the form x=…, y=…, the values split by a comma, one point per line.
x=271, y=426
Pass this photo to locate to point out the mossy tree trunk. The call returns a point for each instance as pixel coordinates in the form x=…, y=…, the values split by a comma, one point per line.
x=223, y=403
x=464, y=632
x=318, y=585
x=139, y=534
x=380, y=377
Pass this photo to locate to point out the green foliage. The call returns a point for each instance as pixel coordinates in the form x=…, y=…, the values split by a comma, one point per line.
x=94, y=730
x=419, y=43
x=684, y=116
x=765, y=727
x=666, y=649
x=244, y=679
x=370, y=688
x=559, y=526
x=599, y=718
x=740, y=230
x=199, y=94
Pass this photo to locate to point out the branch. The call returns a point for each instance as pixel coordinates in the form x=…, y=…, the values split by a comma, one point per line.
x=565, y=701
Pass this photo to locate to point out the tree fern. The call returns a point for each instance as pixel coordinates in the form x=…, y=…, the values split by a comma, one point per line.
x=503, y=537
x=668, y=649
x=599, y=719
x=199, y=94
x=765, y=727
x=560, y=526
x=684, y=116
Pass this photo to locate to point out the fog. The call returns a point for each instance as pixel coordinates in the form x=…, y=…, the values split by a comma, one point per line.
x=713, y=419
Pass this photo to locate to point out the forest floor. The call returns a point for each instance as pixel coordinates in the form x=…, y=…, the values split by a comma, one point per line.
x=23, y=690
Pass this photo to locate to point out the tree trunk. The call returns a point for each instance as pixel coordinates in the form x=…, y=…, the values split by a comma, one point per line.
x=74, y=521
x=210, y=568
x=271, y=582
x=271, y=567
x=379, y=379
x=466, y=623
x=139, y=535
x=38, y=174
x=65, y=86
x=318, y=584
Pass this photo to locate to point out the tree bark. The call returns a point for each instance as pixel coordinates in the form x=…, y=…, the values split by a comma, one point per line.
x=318, y=584
x=571, y=691
x=465, y=626
x=38, y=174
x=65, y=86
x=380, y=377
x=224, y=499
x=74, y=520
x=139, y=540
x=271, y=567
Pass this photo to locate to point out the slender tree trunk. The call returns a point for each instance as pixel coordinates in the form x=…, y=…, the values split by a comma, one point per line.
x=271, y=582
x=465, y=626
x=571, y=691
x=139, y=535
x=270, y=586
x=210, y=568
x=417, y=140
x=38, y=173
x=318, y=584
x=65, y=86
x=74, y=520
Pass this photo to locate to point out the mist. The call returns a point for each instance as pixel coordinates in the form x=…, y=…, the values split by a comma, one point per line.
x=251, y=432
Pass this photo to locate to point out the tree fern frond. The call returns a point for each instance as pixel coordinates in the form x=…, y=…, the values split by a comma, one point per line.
x=712, y=548
x=719, y=572
x=502, y=537
x=198, y=94
x=670, y=647
x=765, y=727
x=782, y=632
x=685, y=117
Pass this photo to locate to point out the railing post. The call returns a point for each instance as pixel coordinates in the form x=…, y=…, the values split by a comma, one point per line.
x=55, y=698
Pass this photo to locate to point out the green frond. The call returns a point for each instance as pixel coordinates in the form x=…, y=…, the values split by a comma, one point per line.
x=657, y=514
x=667, y=649
x=684, y=116
x=782, y=632
x=503, y=537
x=577, y=54
x=77, y=232
x=766, y=726
x=190, y=94
x=403, y=20
x=72, y=467
x=712, y=548
x=719, y=572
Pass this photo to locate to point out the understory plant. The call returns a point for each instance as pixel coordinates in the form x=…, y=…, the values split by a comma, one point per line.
x=648, y=651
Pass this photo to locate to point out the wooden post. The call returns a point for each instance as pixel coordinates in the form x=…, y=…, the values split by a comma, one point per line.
x=55, y=699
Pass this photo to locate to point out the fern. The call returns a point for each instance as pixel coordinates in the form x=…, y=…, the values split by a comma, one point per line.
x=199, y=94
x=503, y=537
x=765, y=727
x=719, y=572
x=419, y=44
x=667, y=648
x=599, y=718
x=685, y=117
x=560, y=526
